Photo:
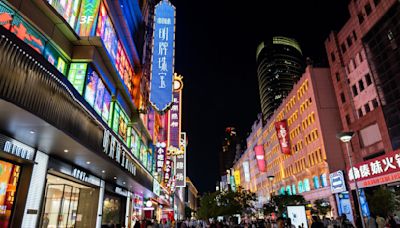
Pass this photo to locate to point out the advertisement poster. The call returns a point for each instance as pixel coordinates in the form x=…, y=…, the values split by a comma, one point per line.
x=297, y=215
x=87, y=17
x=28, y=34
x=135, y=144
x=9, y=175
x=91, y=85
x=106, y=105
x=68, y=9
x=55, y=58
x=98, y=104
x=77, y=75
x=106, y=31
x=282, y=132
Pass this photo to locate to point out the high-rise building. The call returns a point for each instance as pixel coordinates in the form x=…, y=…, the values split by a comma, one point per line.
x=228, y=152
x=280, y=64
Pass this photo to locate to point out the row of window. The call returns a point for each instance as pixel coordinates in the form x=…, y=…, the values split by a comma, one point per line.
x=293, y=118
x=290, y=104
x=302, y=90
x=354, y=63
x=304, y=185
x=295, y=132
x=316, y=157
x=297, y=147
x=275, y=150
x=368, y=10
x=367, y=107
x=305, y=105
x=308, y=121
x=350, y=38
x=312, y=136
x=358, y=89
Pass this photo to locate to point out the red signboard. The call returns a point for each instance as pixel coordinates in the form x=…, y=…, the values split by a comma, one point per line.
x=283, y=135
x=260, y=157
x=379, y=166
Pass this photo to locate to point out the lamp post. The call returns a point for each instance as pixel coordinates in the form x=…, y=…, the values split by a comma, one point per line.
x=346, y=138
x=271, y=178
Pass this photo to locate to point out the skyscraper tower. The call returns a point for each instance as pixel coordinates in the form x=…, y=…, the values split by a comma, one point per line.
x=280, y=64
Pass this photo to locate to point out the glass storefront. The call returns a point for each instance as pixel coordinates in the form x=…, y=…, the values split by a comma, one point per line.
x=9, y=176
x=69, y=204
x=113, y=211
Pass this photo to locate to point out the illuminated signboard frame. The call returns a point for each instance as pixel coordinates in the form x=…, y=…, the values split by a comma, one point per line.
x=77, y=75
x=86, y=25
x=180, y=164
x=162, y=63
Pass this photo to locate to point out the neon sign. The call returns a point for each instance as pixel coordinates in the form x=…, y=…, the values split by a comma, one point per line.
x=163, y=56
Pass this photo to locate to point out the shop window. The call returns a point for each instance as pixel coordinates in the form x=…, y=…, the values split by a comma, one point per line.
x=324, y=181
x=294, y=189
x=289, y=190
x=113, y=211
x=368, y=9
x=282, y=191
x=300, y=187
x=9, y=177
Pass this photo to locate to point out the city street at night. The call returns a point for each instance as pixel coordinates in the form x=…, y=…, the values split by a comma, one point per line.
x=199, y=114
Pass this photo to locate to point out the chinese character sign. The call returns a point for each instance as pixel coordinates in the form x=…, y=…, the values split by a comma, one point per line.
x=163, y=56
x=246, y=170
x=283, y=136
x=180, y=166
x=236, y=174
x=174, y=120
x=385, y=164
x=160, y=154
x=167, y=170
x=259, y=149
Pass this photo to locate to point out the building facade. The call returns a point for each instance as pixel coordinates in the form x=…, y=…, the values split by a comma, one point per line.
x=313, y=120
x=192, y=197
x=280, y=64
x=359, y=98
x=228, y=152
x=77, y=136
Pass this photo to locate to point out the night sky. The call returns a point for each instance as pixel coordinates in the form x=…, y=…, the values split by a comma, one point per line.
x=216, y=43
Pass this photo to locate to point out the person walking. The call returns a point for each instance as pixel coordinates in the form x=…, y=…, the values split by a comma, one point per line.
x=380, y=221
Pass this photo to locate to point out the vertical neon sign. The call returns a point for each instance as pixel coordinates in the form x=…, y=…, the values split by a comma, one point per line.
x=162, y=66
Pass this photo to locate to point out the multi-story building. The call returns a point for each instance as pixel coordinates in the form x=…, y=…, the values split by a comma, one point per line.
x=359, y=100
x=313, y=120
x=280, y=64
x=75, y=151
x=191, y=195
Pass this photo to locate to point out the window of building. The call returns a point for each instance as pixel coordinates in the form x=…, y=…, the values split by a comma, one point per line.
x=324, y=181
x=360, y=113
x=368, y=9
x=368, y=79
x=342, y=97
x=360, y=18
x=375, y=103
x=349, y=41
x=361, y=85
x=360, y=57
x=354, y=35
x=367, y=109
x=337, y=77
x=376, y=2
x=343, y=46
x=348, y=121
x=355, y=92
x=333, y=57
x=316, y=182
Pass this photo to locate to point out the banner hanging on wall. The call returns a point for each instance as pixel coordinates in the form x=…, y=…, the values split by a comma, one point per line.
x=282, y=132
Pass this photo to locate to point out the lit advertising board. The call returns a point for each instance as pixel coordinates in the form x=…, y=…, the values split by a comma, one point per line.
x=338, y=183
x=246, y=170
x=260, y=156
x=28, y=34
x=297, y=215
x=120, y=122
x=68, y=9
x=87, y=18
x=174, y=120
x=180, y=165
x=76, y=75
x=55, y=58
x=135, y=144
x=282, y=132
x=167, y=170
x=6, y=15
x=105, y=30
x=236, y=174
x=162, y=64
x=377, y=171
x=160, y=156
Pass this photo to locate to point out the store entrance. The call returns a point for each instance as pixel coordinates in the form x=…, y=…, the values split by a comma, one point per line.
x=69, y=204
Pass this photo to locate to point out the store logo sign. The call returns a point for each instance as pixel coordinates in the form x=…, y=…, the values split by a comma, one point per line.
x=115, y=150
x=337, y=182
x=80, y=175
x=17, y=150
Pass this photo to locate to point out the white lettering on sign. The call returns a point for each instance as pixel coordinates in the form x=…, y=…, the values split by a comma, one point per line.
x=115, y=150
x=80, y=175
x=19, y=151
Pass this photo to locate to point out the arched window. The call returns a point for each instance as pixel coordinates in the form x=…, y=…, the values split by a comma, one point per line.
x=316, y=182
x=324, y=182
x=289, y=190
x=300, y=186
x=294, y=189
x=306, y=185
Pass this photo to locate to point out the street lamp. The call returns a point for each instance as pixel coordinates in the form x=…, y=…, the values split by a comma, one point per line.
x=346, y=138
x=271, y=178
